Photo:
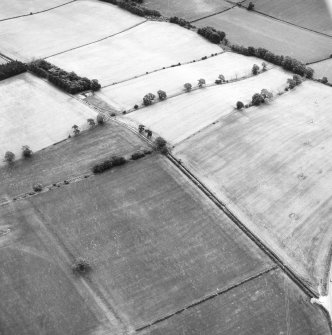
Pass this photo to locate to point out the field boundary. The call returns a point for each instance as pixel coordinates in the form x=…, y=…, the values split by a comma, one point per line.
x=39, y=12
x=220, y=12
x=96, y=41
x=208, y=297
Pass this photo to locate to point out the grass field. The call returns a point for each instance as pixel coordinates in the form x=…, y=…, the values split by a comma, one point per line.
x=148, y=47
x=35, y=113
x=39, y=294
x=73, y=157
x=12, y=8
x=323, y=69
x=189, y=10
x=252, y=29
x=271, y=166
x=311, y=14
x=180, y=117
x=125, y=95
x=63, y=28
x=270, y=304
x=154, y=243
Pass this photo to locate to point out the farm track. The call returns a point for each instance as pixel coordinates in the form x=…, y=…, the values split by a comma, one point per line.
x=96, y=41
x=207, y=298
x=39, y=12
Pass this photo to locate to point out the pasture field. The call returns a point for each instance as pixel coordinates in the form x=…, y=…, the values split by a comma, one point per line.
x=37, y=114
x=269, y=304
x=252, y=29
x=323, y=69
x=155, y=244
x=72, y=157
x=125, y=95
x=63, y=28
x=145, y=48
x=13, y=8
x=178, y=118
x=271, y=166
x=39, y=293
x=189, y=10
x=311, y=14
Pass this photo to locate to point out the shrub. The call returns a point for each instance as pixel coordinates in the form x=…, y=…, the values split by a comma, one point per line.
x=213, y=35
x=118, y=161
x=251, y=6
x=141, y=128
x=26, y=151
x=257, y=99
x=137, y=155
x=100, y=119
x=9, y=157
x=160, y=143
x=11, y=69
x=324, y=80
x=162, y=95
x=91, y=122
x=81, y=266
x=37, y=187
x=239, y=105
x=255, y=69
x=148, y=133
x=136, y=107
x=148, y=99
x=201, y=82
x=76, y=130
x=187, y=87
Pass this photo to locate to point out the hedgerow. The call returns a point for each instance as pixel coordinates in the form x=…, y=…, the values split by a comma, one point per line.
x=11, y=69
x=68, y=81
x=109, y=164
x=213, y=35
x=181, y=22
x=133, y=7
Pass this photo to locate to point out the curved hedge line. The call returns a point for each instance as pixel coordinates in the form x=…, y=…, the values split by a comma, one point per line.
x=68, y=81
x=11, y=69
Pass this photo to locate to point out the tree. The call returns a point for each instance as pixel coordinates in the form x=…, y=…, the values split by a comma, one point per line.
x=9, y=157
x=162, y=95
x=297, y=79
x=251, y=6
x=264, y=66
x=160, y=145
x=81, y=266
x=187, y=87
x=257, y=99
x=100, y=119
x=148, y=133
x=239, y=105
x=324, y=80
x=255, y=69
x=267, y=95
x=291, y=83
x=201, y=82
x=222, y=78
x=95, y=86
x=37, y=187
x=91, y=122
x=26, y=151
x=76, y=130
x=141, y=128
x=148, y=99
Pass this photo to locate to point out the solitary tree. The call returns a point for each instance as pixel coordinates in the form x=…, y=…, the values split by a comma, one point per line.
x=26, y=151
x=148, y=133
x=148, y=99
x=239, y=105
x=255, y=69
x=162, y=95
x=187, y=87
x=81, y=266
x=221, y=77
x=76, y=130
x=201, y=82
x=9, y=157
x=141, y=128
x=91, y=122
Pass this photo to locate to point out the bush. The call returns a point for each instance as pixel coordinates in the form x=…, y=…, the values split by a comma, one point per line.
x=255, y=69
x=187, y=87
x=100, y=119
x=201, y=82
x=81, y=267
x=324, y=80
x=239, y=105
x=37, y=187
x=251, y=6
x=26, y=151
x=136, y=107
x=91, y=122
x=9, y=157
x=11, y=69
x=213, y=35
x=162, y=95
x=137, y=155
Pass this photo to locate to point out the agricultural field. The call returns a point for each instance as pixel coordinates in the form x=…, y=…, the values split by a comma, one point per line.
x=39, y=293
x=178, y=118
x=252, y=29
x=167, y=44
x=269, y=304
x=189, y=10
x=73, y=157
x=125, y=95
x=154, y=243
x=69, y=26
x=36, y=114
x=311, y=14
x=271, y=166
x=14, y=8
x=323, y=69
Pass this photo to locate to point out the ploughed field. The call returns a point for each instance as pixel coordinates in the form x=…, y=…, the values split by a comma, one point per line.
x=248, y=28
x=36, y=114
x=179, y=118
x=271, y=166
x=311, y=14
x=63, y=28
x=125, y=95
x=131, y=53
